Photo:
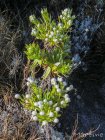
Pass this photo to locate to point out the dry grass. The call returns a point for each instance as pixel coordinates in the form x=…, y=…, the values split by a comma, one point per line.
x=10, y=59
x=81, y=136
x=15, y=124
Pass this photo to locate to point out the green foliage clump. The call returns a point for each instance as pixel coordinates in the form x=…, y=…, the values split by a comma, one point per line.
x=51, y=32
x=55, y=62
x=53, y=57
x=46, y=105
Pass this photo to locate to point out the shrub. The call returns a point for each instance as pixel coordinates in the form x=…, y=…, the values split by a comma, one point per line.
x=46, y=102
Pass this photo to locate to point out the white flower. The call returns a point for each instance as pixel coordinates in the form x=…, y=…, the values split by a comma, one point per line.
x=57, y=64
x=51, y=114
x=66, y=95
x=44, y=100
x=53, y=81
x=44, y=122
x=36, y=104
x=55, y=40
x=59, y=24
x=28, y=96
x=17, y=96
x=33, y=32
x=26, y=101
x=54, y=28
x=60, y=79
x=47, y=35
x=34, y=113
x=57, y=109
x=40, y=103
x=46, y=39
x=67, y=99
x=66, y=10
x=52, y=33
x=65, y=83
x=28, y=83
x=34, y=118
x=50, y=102
x=30, y=79
x=69, y=88
x=38, y=96
x=42, y=113
x=62, y=102
x=61, y=16
x=56, y=120
x=57, y=86
x=31, y=18
x=58, y=90
x=68, y=16
x=69, y=22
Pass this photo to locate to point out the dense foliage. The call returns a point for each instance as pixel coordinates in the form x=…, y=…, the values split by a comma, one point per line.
x=54, y=58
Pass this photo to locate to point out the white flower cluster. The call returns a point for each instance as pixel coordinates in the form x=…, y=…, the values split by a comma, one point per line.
x=45, y=122
x=55, y=82
x=51, y=114
x=57, y=33
x=54, y=35
x=53, y=106
x=66, y=16
x=17, y=96
x=30, y=80
x=60, y=79
x=42, y=113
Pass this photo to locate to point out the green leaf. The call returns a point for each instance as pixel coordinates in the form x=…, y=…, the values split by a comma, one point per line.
x=46, y=73
x=45, y=15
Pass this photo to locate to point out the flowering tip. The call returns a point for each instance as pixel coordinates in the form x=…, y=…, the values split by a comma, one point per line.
x=28, y=96
x=56, y=120
x=17, y=96
x=57, y=109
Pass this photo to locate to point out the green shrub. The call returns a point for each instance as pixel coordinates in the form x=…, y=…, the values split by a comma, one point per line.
x=54, y=57
x=46, y=105
x=52, y=33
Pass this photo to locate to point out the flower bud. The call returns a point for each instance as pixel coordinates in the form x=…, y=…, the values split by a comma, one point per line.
x=56, y=120
x=17, y=96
